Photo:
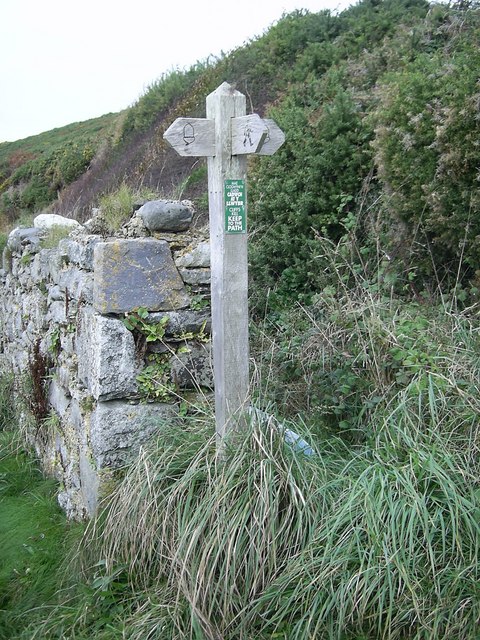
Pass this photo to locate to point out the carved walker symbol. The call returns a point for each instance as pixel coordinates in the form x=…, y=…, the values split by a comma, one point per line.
x=247, y=136
x=188, y=133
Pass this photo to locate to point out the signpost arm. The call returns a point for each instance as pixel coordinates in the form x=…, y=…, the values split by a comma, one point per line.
x=229, y=270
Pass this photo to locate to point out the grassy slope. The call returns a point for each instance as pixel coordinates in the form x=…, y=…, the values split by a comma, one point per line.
x=33, y=537
x=262, y=69
x=34, y=170
x=56, y=137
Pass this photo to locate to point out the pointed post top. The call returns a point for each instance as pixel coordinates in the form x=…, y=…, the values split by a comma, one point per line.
x=225, y=89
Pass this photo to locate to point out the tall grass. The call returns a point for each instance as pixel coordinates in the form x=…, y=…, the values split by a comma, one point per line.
x=34, y=538
x=376, y=540
x=216, y=532
x=377, y=535
x=7, y=404
x=397, y=555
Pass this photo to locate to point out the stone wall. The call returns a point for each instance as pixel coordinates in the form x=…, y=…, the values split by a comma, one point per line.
x=122, y=326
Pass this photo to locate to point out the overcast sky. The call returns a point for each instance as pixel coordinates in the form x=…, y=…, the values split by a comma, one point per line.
x=63, y=61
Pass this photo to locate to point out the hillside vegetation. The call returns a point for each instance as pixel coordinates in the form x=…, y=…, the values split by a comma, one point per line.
x=380, y=109
x=34, y=171
x=365, y=337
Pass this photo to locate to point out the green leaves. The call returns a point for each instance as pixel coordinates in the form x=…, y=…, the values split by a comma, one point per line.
x=327, y=157
x=428, y=157
x=138, y=321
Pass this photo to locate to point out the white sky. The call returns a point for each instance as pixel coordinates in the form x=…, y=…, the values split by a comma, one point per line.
x=63, y=61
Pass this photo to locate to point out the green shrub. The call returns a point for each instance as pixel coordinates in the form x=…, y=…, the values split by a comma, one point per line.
x=347, y=354
x=310, y=187
x=427, y=155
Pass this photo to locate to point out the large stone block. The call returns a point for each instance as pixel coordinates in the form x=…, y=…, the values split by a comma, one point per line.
x=118, y=429
x=198, y=257
x=192, y=368
x=136, y=273
x=166, y=215
x=181, y=323
x=106, y=357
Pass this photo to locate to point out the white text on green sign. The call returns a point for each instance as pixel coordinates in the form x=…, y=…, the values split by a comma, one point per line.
x=235, y=210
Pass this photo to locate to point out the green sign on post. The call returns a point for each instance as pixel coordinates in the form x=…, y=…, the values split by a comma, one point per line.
x=235, y=210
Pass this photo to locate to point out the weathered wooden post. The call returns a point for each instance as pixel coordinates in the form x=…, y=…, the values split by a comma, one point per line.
x=226, y=136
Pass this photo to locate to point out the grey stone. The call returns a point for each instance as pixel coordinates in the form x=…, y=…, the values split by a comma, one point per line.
x=68, y=343
x=89, y=482
x=40, y=266
x=135, y=228
x=118, y=429
x=20, y=238
x=56, y=313
x=79, y=421
x=54, y=265
x=199, y=257
x=71, y=502
x=136, y=273
x=183, y=322
x=58, y=398
x=192, y=368
x=106, y=357
x=195, y=276
x=55, y=294
x=7, y=260
x=49, y=220
x=34, y=307
x=18, y=322
x=79, y=251
x=166, y=215
x=64, y=376
x=77, y=283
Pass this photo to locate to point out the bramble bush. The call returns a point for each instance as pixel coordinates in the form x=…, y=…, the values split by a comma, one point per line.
x=310, y=187
x=427, y=154
x=382, y=146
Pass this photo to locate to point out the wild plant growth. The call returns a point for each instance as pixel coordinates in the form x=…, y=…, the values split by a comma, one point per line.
x=34, y=533
x=376, y=535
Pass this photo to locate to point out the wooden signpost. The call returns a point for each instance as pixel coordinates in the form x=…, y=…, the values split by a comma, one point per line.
x=226, y=136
